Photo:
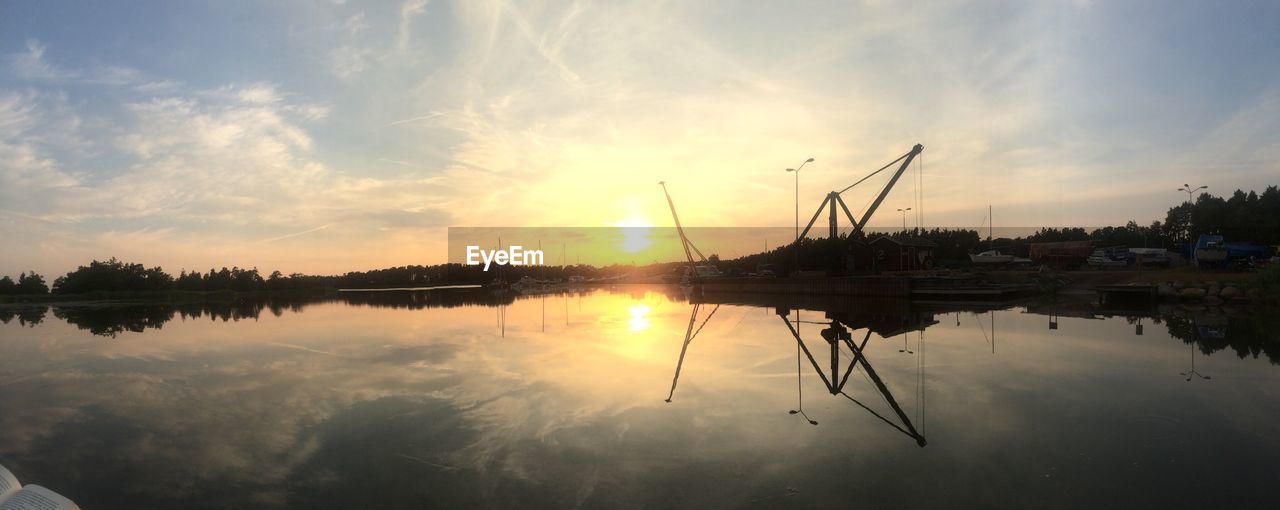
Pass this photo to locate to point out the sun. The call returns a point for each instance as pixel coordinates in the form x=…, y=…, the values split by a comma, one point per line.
x=635, y=233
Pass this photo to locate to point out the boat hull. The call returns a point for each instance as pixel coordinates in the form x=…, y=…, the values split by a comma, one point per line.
x=990, y=259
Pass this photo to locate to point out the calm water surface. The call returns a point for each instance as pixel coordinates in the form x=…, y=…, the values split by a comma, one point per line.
x=460, y=399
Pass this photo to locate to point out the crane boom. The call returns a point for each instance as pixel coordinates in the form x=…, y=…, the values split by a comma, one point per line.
x=833, y=198
x=684, y=240
x=885, y=192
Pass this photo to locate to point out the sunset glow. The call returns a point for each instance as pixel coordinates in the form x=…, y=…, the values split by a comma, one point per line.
x=376, y=126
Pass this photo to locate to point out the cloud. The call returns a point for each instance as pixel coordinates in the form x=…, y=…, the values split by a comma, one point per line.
x=353, y=25
x=116, y=76
x=552, y=113
x=348, y=61
x=295, y=234
x=408, y=10
x=415, y=119
x=194, y=174
x=30, y=65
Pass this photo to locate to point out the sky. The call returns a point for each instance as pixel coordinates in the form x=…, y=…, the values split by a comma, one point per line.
x=322, y=137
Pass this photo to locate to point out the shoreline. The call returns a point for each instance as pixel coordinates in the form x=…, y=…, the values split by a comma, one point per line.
x=1199, y=285
x=163, y=296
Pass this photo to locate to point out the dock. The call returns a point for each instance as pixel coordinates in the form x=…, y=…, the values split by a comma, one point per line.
x=851, y=286
x=1125, y=292
x=875, y=286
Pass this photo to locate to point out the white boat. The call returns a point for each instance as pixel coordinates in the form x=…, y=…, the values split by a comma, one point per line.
x=990, y=257
x=700, y=272
x=1101, y=258
x=527, y=283
x=1150, y=256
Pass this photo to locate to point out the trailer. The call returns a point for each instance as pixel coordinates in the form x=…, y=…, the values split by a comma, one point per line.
x=1062, y=253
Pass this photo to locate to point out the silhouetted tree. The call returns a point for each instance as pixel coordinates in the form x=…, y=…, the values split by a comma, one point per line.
x=1242, y=217
x=112, y=275
x=32, y=283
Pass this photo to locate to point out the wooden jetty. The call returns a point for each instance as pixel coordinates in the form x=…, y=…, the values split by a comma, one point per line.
x=1126, y=292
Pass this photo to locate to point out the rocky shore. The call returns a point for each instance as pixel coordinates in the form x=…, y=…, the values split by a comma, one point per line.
x=1211, y=292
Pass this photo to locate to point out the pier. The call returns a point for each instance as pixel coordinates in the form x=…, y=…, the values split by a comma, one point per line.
x=880, y=286
x=1126, y=292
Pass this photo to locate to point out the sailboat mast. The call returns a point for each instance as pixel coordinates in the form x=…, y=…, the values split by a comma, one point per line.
x=991, y=223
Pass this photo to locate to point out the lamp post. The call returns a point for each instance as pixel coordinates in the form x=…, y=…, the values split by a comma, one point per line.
x=796, y=171
x=1190, y=204
x=904, y=218
x=1191, y=192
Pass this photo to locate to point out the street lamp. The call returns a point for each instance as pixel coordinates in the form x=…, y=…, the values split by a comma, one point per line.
x=1191, y=203
x=796, y=170
x=904, y=218
x=1191, y=192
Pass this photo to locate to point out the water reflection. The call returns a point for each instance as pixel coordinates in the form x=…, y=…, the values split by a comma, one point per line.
x=478, y=400
x=111, y=319
x=885, y=319
x=27, y=315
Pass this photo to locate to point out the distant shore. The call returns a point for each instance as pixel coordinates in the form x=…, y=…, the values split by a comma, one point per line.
x=1170, y=282
x=159, y=296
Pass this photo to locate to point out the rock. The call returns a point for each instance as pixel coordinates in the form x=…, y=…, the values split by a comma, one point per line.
x=1229, y=292
x=1166, y=290
x=1212, y=300
x=1179, y=285
x=1214, y=289
x=1192, y=293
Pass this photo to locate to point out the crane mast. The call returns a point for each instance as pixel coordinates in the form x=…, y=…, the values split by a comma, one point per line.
x=684, y=240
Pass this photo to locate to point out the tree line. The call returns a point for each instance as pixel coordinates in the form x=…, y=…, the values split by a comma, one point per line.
x=114, y=275
x=1241, y=217
x=28, y=283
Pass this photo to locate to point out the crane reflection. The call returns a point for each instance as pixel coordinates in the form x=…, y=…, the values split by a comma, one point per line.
x=837, y=333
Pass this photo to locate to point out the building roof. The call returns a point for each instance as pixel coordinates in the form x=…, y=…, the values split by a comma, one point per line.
x=908, y=241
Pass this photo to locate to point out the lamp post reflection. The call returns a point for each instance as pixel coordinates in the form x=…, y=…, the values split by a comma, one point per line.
x=1192, y=373
x=800, y=391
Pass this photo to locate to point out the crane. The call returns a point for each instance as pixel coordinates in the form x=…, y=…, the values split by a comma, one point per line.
x=833, y=198
x=684, y=240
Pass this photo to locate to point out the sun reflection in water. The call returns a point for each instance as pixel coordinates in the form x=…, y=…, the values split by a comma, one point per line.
x=639, y=317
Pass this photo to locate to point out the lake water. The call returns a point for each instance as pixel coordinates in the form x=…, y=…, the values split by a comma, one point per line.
x=462, y=399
